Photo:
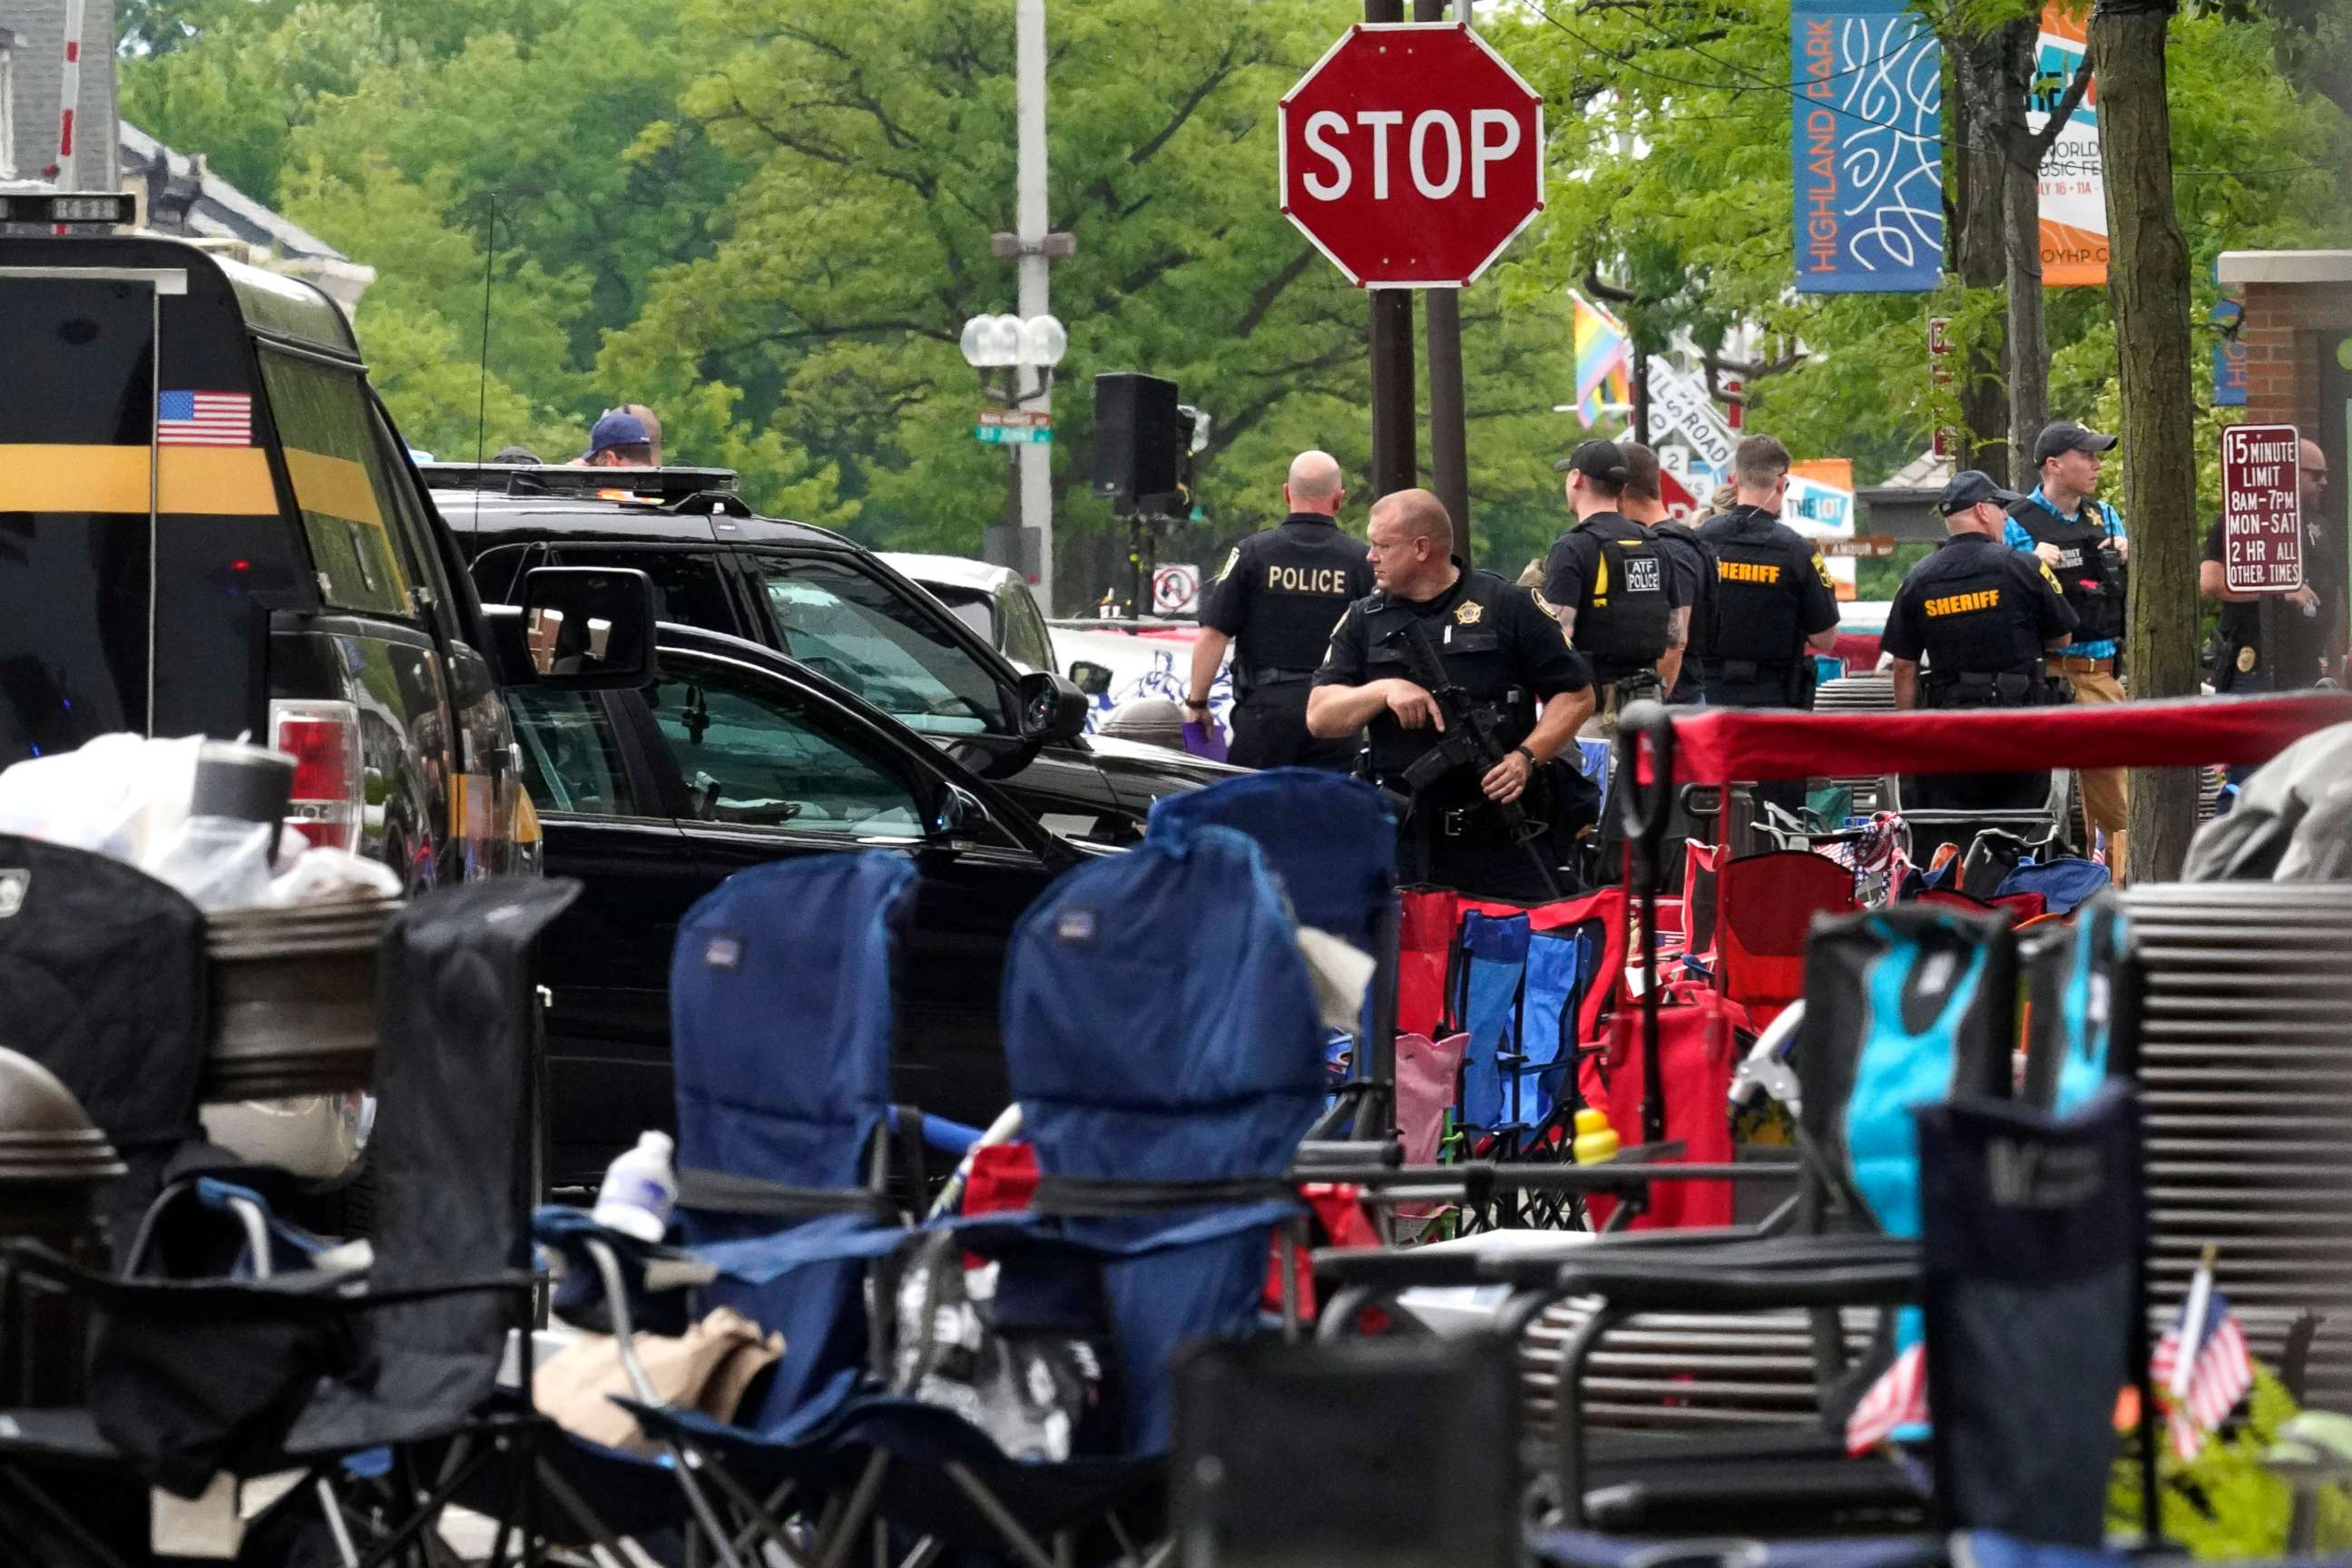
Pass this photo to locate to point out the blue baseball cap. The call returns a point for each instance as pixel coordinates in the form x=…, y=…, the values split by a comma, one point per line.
x=618, y=430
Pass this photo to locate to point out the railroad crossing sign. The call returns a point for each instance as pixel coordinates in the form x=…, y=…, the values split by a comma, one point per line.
x=1175, y=590
x=2262, y=510
x=1411, y=154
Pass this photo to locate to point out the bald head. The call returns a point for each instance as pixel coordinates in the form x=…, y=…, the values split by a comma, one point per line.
x=2311, y=473
x=652, y=423
x=1314, y=483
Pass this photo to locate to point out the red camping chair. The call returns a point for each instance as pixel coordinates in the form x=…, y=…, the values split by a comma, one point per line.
x=1765, y=905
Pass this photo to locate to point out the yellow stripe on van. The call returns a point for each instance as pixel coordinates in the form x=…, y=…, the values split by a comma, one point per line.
x=337, y=487
x=202, y=482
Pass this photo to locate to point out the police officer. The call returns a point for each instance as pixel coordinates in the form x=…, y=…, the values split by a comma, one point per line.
x=1774, y=606
x=2081, y=539
x=1277, y=600
x=1982, y=616
x=1495, y=643
x=1644, y=502
x=1609, y=580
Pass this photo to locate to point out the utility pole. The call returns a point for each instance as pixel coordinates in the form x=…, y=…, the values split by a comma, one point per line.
x=1036, y=459
x=1449, y=455
x=1396, y=463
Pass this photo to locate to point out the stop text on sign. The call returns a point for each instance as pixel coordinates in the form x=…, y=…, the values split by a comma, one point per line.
x=1493, y=137
x=1411, y=154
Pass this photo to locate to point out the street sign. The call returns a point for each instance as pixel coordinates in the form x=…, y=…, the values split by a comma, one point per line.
x=1175, y=590
x=1860, y=544
x=2262, y=510
x=1411, y=154
x=1682, y=403
x=1939, y=373
x=1013, y=428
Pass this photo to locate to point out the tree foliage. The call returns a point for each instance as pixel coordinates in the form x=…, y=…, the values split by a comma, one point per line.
x=769, y=219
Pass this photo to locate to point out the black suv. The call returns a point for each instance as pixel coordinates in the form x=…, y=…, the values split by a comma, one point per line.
x=733, y=756
x=828, y=602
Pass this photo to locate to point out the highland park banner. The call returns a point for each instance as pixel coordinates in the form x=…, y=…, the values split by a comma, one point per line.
x=1867, y=139
x=2074, y=188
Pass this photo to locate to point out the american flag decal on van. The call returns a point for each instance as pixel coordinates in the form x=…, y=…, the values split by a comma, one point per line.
x=204, y=420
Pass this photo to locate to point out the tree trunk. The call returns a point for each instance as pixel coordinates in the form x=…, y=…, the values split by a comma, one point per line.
x=2148, y=286
x=1981, y=244
x=2028, y=336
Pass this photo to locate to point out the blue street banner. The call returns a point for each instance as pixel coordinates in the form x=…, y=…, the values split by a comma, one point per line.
x=1867, y=139
x=2228, y=356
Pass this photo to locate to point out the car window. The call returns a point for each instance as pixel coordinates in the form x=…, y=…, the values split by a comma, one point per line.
x=973, y=609
x=571, y=757
x=756, y=752
x=340, y=482
x=1026, y=641
x=687, y=585
x=863, y=634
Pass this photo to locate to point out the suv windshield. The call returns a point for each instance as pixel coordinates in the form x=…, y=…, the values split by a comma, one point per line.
x=854, y=630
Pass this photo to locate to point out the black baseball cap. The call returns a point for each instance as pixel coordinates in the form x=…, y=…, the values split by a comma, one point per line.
x=2067, y=435
x=1970, y=487
x=1595, y=460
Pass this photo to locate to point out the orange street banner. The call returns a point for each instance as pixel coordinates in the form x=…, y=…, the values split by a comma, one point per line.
x=2073, y=187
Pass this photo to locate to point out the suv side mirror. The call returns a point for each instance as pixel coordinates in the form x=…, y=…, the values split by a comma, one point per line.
x=1092, y=678
x=960, y=814
x=589, y=629
x=1051, y=709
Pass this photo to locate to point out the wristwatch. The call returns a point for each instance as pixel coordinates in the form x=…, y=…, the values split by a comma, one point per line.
x=1196, y=702
x=1529, y=755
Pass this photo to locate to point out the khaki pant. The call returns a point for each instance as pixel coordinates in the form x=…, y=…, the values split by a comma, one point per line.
x=2105, y=798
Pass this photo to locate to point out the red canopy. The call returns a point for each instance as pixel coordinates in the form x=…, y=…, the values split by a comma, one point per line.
x=1717, y=745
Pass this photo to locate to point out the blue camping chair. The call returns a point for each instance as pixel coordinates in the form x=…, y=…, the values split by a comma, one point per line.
x=1161, y=1040
x=780, y=1033
x=1332, y=842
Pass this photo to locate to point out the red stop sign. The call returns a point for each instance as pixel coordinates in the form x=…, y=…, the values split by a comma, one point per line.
x=1411, y=154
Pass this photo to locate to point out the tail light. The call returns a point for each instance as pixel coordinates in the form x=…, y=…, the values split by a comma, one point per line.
x=330, y=786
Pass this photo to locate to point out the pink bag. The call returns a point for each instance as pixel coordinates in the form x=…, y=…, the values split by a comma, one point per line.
x=1427, y=1075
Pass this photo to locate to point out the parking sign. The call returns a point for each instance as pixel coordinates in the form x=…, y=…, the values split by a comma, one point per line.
x=2262, y=510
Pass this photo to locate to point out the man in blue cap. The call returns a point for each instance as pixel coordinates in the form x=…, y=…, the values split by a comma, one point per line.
x=620, y=440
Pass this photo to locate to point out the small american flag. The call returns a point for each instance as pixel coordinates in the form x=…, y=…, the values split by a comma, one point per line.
x=204, y=420
x=2219, y=1372
x=1898, y=1399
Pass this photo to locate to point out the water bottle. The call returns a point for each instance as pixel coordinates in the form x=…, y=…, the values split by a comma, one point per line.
x=639, y=1188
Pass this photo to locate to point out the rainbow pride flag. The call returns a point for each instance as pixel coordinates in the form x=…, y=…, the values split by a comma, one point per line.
x=1604, y=361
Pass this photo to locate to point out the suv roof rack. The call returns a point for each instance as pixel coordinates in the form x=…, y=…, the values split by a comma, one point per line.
x=660, y=486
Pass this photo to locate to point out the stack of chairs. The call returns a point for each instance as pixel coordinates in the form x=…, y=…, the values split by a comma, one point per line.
x=223, y=1349
x=2241, y=1063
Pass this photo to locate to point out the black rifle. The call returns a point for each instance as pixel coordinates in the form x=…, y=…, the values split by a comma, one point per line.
x=1470, y=738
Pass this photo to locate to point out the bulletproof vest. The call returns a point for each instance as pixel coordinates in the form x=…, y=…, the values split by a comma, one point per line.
x=1702, y=620
x=1302, y=577
x=2091, y=579
x=1470, y=642
x=1620, y=626
x=1972, y=630
x=1756, y=589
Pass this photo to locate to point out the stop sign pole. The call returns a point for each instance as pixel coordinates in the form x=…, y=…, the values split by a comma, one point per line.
x=1412, y=155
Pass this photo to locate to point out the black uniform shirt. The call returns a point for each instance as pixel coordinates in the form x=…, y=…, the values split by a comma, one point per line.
x=1569, y=569
x=1690, y=588
x=2029, y=596
x=1817, y=609
x=1282, y=591
x=2297, y=664
x=1493, y=640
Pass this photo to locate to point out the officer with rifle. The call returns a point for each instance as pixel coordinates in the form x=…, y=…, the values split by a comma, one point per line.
x=1446, y=666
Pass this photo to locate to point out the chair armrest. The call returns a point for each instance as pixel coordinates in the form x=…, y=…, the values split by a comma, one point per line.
x=1750, y=1276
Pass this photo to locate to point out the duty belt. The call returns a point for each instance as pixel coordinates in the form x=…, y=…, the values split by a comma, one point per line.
x=1983, y=688
x=1261, y=678
x=1744, y=670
